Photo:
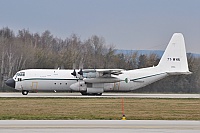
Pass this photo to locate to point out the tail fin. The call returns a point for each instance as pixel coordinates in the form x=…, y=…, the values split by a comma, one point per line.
x=174, y=59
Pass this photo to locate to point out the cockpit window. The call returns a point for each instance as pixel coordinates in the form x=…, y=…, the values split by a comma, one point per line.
x=21, y=74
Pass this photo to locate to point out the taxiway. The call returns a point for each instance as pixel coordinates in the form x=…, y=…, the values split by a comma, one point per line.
x=98, y=126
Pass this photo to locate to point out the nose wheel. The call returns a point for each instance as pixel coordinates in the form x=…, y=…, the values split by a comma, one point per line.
x=24, y=92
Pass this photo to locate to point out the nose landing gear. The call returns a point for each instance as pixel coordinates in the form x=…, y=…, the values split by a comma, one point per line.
x=24, y=92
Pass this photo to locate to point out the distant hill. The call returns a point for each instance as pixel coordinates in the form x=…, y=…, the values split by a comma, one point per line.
x=147, y=52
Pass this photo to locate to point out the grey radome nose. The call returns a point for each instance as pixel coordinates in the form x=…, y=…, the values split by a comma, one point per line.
x=10, y=82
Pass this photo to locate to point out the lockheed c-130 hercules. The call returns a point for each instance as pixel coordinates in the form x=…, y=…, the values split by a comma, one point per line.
x=97, y=81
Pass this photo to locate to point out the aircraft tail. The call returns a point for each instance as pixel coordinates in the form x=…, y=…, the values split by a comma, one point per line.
x=174, y=59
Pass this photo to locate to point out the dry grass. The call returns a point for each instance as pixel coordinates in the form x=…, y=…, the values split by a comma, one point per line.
x=99, y=108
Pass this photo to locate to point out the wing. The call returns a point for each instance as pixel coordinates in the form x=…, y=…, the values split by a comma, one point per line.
x=101, y=75
x=109, y=72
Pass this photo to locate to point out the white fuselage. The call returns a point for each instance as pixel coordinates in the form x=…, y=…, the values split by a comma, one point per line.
x=54, y=79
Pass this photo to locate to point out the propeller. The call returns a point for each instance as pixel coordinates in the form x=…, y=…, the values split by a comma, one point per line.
x=74, y=72
x=81, y=72
x=81, y=68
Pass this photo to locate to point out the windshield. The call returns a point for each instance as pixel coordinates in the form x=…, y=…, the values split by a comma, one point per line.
x=20, y=74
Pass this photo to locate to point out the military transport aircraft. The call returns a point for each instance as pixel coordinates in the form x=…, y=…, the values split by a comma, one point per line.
x=97, y=81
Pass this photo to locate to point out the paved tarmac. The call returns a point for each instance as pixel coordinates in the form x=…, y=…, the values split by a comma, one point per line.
x=98, y=126
x=109, y=95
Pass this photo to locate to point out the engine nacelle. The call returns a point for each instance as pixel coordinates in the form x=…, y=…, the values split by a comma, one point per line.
x=90, y=74
x=79, y=86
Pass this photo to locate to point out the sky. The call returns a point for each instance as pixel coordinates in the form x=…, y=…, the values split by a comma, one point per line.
x=125, y=24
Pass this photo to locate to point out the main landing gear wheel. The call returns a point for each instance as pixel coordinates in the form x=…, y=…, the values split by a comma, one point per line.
x=25, y=92
x=84, y=93
x=91, y=94
x=98, y=94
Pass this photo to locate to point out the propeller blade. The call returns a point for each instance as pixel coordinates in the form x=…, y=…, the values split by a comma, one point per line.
x=81, y=65
x=74, y=66
x=81, y=72
x=74, y=73
x=81, y=68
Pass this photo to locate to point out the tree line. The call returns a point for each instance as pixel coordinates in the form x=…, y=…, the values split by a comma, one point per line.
x=26, y=50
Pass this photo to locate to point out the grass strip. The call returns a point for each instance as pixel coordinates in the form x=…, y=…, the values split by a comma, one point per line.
x=98, y=108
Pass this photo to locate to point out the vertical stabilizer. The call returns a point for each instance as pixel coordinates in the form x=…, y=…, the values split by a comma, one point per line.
x=174, y=59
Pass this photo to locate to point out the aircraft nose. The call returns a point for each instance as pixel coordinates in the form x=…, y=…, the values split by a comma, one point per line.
x=10, y=82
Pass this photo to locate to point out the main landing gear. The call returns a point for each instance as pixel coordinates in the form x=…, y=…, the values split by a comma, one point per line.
x=91, y=94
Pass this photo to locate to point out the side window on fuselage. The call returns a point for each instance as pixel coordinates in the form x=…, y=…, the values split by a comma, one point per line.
x=19, y=79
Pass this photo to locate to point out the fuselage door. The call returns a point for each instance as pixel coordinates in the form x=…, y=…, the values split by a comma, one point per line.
x=116, y=86
x=34, y=86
